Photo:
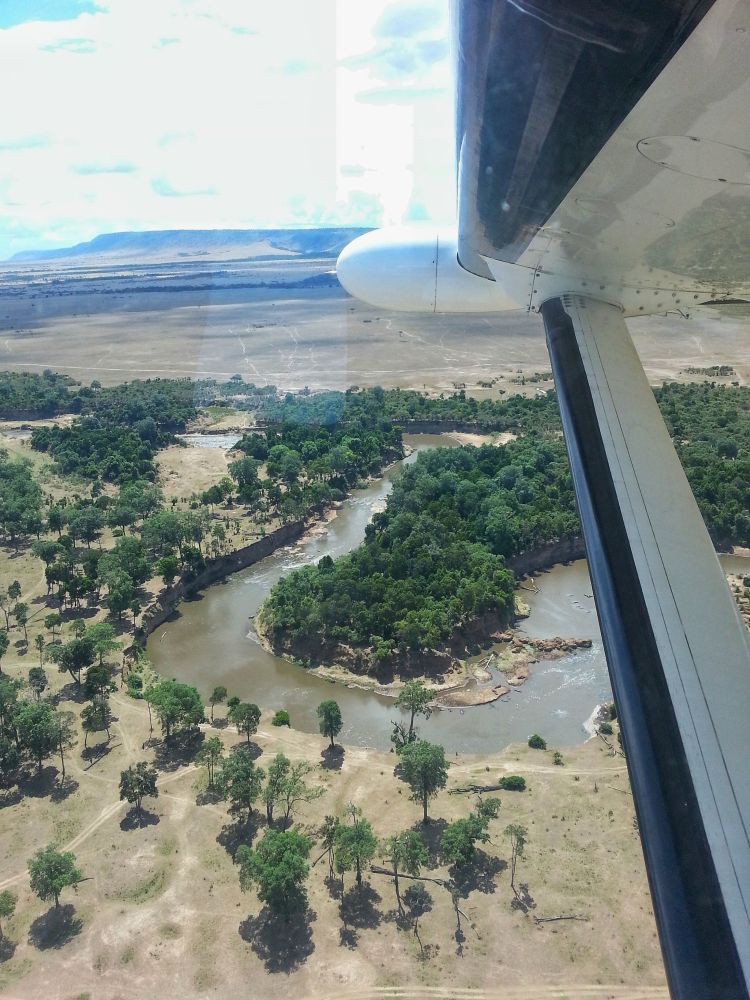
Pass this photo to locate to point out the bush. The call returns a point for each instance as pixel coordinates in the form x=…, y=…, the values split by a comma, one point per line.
x=513, y=783
x=281, y=718
x=612, y=711
x=606, y=729
x=537, y=743
x=557, y=758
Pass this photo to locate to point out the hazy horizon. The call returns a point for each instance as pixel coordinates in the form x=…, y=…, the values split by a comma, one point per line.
x=216, y=114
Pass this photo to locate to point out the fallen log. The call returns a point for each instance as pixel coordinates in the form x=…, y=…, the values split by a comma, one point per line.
x=377, y=870
x=476, y=789
x=551, y=920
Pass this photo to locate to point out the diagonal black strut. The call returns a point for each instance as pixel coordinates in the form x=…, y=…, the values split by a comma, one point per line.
x=694, y=842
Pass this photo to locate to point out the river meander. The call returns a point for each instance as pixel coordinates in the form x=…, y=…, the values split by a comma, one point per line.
x=211, y=641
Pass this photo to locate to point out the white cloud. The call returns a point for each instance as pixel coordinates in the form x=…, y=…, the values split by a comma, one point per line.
x=219, y=113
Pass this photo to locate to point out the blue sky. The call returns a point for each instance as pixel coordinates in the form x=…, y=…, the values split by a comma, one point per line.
x=156, y=114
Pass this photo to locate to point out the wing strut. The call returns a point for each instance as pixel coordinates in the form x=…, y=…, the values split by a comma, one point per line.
x=677, y=651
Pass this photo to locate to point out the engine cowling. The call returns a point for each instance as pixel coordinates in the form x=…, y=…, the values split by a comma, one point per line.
x=416, y=269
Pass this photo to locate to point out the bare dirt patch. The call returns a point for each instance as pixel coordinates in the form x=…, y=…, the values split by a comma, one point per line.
x=184, y=470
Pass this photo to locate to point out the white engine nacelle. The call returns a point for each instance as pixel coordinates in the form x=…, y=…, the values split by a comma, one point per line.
x=417, y=270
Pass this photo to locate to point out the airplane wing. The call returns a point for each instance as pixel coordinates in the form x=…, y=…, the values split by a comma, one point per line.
x=604, y=172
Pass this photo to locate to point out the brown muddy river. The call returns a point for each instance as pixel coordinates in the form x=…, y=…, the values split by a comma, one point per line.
x=211, y=641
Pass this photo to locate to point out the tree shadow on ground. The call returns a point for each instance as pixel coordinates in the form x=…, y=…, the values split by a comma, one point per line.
x=97, y=752
x=131, y=820
x=208, y=797
x=219, y=723
x=241, y=831
x=71, y=692
x=332, y=758
x=282, y=946
x=523, y=900
x=251, y=749
x=417, y=900
x=478, y=876
x=63, y=789
x=333, y=885
x=431, y=834
x=55, y=928
x=358, y=912
x=39, y=784
x=177, y=751
x=10, y=797
x=7, y=949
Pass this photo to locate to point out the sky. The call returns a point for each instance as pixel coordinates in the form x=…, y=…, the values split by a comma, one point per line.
x=182, y=114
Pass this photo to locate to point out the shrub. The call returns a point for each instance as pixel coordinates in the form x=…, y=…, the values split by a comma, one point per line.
x=513, y=783
x=557, y=758
x=612, y=711
x=606, y=729
x=281, y=718
x=537, y=743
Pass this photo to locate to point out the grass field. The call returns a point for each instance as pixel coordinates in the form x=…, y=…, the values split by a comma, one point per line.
x=163, y=910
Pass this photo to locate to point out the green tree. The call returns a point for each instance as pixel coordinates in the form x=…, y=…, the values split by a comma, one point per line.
x=103, y=640
x=74, y=656
x=95, y=717
x=414, y=698
x=239, y=781
x=21, y=614
x=355, y=844
x=459, y=839
x=4, y=644
x=178, y=707
x=7, y=907
x=78, y=628
x=245, y=717
x=65, y=736
x=137, y=782
x=537, y=743
x=273, y=793
x=10, y=758
x=9, y=688
x=52, y=623
x=51, y=871
x=98, y=681
x=518, y=836
x=425, y=769
x=513, y=783
x=218, y=697
x=168, y=568
x=39, y=643
x=209, y=756
x=328, y=837
x=37, y=681
x=406, y=852
x=36, y=726
x=295, y=790
x=278, y=868
x=329, y=719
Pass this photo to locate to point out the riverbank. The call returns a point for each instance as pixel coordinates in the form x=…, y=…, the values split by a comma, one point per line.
x=450, y=671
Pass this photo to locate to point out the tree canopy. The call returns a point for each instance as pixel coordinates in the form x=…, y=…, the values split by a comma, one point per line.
x=51, y=871
x=425, y=769
x=278, y=868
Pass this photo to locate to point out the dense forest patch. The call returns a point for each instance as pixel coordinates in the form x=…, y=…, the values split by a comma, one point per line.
x=25, y=396
x=401, y=406
x=20, y=499
x=433, y=560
